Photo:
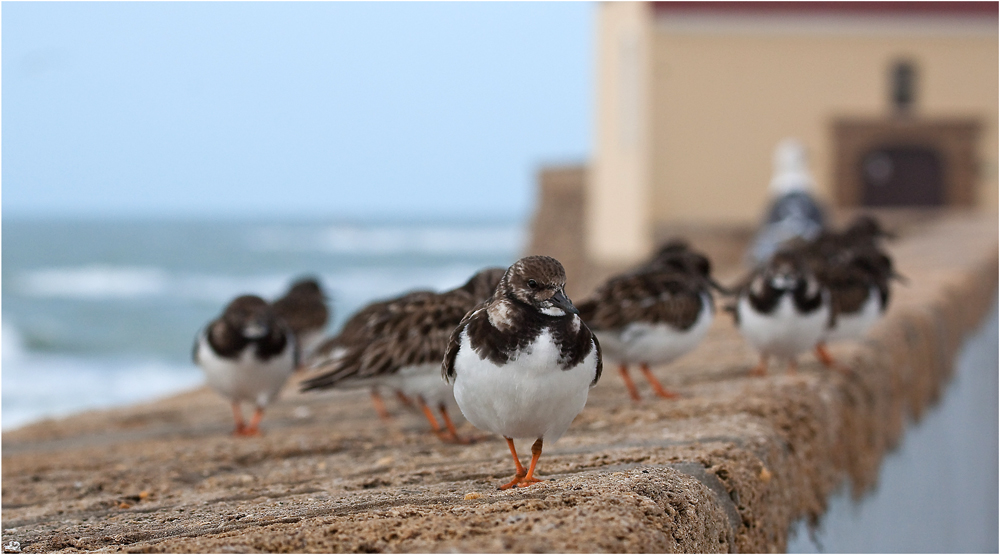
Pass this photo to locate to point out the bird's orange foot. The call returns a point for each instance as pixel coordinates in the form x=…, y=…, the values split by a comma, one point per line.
x=526, y=482
x=654, y=383
x=247, y=432
x=459, y=440
x=759, y=370
x=517, y=480
x=666, y=393
x=448, y=437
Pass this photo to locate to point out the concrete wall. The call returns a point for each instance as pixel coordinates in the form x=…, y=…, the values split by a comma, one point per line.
x=938, y=492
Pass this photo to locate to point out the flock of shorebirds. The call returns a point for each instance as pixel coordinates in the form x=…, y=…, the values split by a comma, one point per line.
x=518, y=357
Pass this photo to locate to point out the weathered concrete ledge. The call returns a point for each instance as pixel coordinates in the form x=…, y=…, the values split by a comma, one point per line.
x=727, y=468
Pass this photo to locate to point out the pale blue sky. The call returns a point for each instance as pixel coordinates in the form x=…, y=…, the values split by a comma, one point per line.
x=421, y=110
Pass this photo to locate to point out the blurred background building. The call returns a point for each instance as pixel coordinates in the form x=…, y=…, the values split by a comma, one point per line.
x=895, y=103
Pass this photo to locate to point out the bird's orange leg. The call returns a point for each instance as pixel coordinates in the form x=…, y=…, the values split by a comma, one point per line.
x=380, y=405
x=655, y=384
x=253, y=429
x=442, y=435
x=407, y=402
x=451, y=426
x=761, y=368
x=521, y=472
x=241, y=426
x=632, y=391
x=793, y=366
x=536, y=452
x=824, y=355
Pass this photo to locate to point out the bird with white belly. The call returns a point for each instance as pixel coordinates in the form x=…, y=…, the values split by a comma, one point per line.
x=782, y=309
x=398, y=344
x=523, y=361
x=247, y=354
x=655, y=314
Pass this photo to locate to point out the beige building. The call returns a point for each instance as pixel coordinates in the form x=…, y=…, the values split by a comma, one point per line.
x=693, y=97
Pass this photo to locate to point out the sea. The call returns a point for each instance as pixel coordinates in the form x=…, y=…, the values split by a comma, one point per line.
x=104, y=313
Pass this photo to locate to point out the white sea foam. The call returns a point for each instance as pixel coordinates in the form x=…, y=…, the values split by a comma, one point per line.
x=352, y=239
x=95, y=281
x=37, y=386
x=108, y=283
x=103, y=282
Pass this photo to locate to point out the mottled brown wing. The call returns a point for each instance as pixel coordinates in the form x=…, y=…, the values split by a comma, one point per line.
x=656, y=297
x=340, y=357
x=359, y=328
x=849, y=297
x=409, y=331
x=417, y=333
x=600, y=360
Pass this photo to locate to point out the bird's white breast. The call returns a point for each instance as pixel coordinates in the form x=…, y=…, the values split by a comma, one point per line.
x=658, y=343
x=246, y=378
x=785, y=332
x=529, y=397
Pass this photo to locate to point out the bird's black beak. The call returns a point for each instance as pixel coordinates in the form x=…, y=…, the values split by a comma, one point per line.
x=899, y=277
x=562, y=301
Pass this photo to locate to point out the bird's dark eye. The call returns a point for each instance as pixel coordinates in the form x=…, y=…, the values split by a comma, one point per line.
x=532, y=284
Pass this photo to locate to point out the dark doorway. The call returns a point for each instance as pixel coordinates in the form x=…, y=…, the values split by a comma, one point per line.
x=902, y=176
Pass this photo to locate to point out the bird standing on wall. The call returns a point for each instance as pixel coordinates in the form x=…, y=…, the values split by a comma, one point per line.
x=782, y=309
x=655, y=314
x=857, y=272
x=523, y=362
x=304, y=310
x=398, y=344
x=247, y=354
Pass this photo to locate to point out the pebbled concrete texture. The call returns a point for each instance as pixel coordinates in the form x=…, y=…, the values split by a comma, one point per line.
x=728, y=467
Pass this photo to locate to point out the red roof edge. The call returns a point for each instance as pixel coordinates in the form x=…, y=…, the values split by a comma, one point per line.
x=973, y=9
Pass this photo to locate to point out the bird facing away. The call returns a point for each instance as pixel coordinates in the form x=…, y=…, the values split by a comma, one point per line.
x=523, y=362
x=655, y=314
x=399, y=344
x=247, y=354
x=782, y=309
x=304, y=310
x=857, y=272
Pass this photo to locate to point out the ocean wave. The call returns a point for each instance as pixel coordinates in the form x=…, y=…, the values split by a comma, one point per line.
x=387, y=240
x=38, y=386
x=99, y=283
x=96, y=281
x=104, y=282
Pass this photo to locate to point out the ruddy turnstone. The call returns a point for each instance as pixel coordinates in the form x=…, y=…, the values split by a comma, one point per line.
x=857, y=272
x=398, y=344
x=523, y=361
x=782, y=309
x=864, y=231
x=655, y=314
x=247, y=354
x=304, y=310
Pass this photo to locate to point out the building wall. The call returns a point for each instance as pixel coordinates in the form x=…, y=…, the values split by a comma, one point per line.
x=617, y=212
x=725, y=91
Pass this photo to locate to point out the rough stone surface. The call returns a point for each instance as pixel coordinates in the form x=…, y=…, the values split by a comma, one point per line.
x=729, y=467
